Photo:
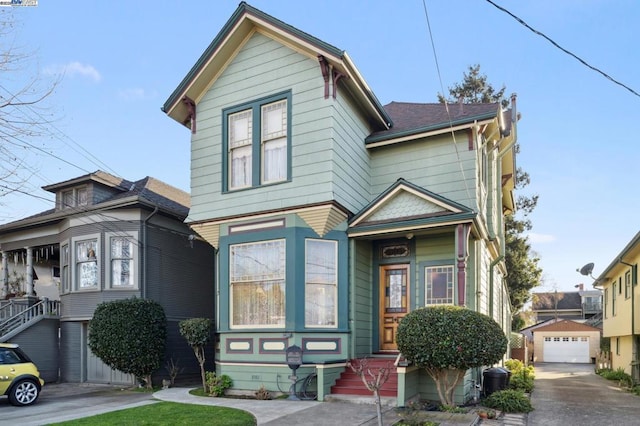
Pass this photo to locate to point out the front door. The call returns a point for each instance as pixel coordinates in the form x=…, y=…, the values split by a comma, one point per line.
x=394, y=302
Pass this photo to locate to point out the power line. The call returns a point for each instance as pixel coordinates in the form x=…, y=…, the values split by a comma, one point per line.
x=446, y=105
x=607, y=76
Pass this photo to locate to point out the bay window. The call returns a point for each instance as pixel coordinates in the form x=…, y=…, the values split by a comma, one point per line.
x=122, y=273
x=321, y=282
x=86, y=264
x=257, y=284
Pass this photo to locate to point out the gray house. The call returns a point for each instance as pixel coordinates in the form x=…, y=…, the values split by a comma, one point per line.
x=107, y=238
x=332, y=215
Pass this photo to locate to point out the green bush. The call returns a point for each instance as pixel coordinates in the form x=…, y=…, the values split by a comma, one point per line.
x=216, y=385
x=509, y=401
x=129, y=335
x=521, y=376
x=618, y=375
x=447, y=341
x=197, y=331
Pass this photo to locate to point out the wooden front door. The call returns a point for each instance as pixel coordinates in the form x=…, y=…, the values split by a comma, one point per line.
x=394, y=302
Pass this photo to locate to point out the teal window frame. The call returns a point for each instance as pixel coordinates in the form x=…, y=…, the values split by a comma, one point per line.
x=295, y=238
x=255, y=107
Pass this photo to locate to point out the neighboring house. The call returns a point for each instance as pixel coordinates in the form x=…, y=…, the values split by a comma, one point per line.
x=332, y=215
x=565, y=341
x=107, y=238
x=571, y=305
x=621, y=324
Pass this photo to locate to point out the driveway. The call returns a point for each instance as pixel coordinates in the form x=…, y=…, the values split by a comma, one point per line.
x=68, y=401
x=572, y=394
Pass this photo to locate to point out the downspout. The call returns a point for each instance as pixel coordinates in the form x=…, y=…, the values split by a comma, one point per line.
x=143, y=290
x=634, y=350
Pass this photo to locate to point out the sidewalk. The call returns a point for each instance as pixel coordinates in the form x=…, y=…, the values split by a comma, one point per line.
x=284, y=412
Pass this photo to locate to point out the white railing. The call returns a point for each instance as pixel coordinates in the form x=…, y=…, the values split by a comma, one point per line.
x=17, y=314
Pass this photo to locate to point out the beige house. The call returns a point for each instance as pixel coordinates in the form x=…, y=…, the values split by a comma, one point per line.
x=619, y=282
x=566, y=341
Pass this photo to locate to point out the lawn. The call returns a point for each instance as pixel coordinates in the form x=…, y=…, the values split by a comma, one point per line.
x=170, y=413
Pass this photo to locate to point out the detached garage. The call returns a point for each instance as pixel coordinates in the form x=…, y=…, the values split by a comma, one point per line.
x=566, y=341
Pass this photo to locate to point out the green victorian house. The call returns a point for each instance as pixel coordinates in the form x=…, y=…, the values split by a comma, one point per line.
x=332, y=215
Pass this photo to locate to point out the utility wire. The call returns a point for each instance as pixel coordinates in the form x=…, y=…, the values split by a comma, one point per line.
x=446, y=104
x=563, y=49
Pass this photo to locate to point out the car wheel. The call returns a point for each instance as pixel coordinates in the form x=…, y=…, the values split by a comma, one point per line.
x=24, y=392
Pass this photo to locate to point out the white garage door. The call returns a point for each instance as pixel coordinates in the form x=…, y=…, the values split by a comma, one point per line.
x=566, y=349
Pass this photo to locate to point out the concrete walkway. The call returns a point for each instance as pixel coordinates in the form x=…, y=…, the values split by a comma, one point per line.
x=282, y=412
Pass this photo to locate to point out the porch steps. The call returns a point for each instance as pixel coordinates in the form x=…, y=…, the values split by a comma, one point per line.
x=350, y=384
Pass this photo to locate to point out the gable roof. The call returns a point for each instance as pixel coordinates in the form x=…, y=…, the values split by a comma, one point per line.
x=565, y=301
x=411, y=119
x=405, y=206
x=242, y=23
x=566, y=325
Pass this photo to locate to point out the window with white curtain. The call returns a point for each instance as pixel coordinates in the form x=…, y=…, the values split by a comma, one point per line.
x=240, y=149
x=122, y=272
x=274, y=142
x=438, y=285
x=87, y=264
x=257, y=284
x=257, y=142
x=321, y=283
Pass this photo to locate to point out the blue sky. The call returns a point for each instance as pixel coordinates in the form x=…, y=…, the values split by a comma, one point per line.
x=119, y=61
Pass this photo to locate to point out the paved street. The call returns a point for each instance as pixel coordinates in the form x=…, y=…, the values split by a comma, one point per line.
x=572, y=394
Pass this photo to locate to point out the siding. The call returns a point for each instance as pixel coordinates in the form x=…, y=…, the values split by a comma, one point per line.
x=40, y=342
x=363, y=303
x=329, y=160
x=71, y=351
x=433, y=164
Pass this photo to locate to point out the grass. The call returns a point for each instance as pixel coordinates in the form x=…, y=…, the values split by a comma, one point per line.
x=169, y=414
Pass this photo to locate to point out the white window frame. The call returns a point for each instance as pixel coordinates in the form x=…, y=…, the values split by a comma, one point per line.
x=74, y=256
x=65, y=266
x=134, y=259
x=429, y=300
x=276, y=277
x=273, y=139
x=327, y=282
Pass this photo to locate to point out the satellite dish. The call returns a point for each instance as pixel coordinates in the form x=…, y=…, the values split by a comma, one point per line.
x=587, y=269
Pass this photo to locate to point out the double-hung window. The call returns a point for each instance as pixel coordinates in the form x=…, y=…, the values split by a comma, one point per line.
x=122, y=271
x=257, y=142
x=64, y=272
x=438, y=285
x=321, y=283
x=257, y=284
x=86, y=264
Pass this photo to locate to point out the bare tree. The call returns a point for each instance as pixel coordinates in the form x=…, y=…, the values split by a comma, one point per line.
x=23, y=113
x=373, y=379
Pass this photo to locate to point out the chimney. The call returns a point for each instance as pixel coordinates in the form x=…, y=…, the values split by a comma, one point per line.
x=580, y=287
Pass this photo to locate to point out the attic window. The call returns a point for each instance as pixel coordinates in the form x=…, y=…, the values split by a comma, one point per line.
x=75, y=197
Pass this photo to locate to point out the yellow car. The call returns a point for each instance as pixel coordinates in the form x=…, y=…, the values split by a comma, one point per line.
x=19, y=377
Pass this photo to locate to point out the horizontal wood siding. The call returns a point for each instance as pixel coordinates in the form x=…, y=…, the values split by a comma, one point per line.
x=180, y=274
x=40, y=342
x=352, y=177
x=274, y=378
x=436, y=247
x=433, y=164
x=71, y=351
x=261, y=68
x=363, y=289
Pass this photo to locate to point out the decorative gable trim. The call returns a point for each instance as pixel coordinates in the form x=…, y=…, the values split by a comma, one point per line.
x=243, y=23
x=323, y=219
x=405, y=207
x=404, y=200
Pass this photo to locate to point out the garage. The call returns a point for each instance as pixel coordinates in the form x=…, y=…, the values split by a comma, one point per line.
x=566, y=349
x=566, y=341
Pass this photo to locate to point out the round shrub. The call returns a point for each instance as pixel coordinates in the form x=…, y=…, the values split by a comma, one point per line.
x=450, y=337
